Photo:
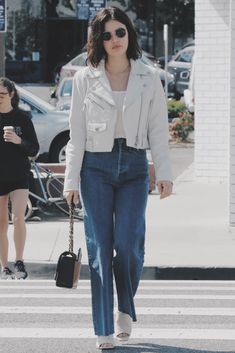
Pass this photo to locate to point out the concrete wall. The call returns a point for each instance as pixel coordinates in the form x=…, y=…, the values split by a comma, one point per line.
x=232, y=115
x=212, y=77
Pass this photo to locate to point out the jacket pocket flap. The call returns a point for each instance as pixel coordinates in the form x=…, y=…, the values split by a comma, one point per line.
x=96, y=127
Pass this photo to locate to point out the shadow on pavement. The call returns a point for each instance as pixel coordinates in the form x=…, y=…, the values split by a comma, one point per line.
x=157, y=348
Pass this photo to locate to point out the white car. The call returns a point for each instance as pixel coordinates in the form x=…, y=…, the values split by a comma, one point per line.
x=51, y=125
x=61, y=98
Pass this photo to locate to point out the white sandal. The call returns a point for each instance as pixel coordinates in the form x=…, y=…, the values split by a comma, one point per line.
x=105, y=342
x=123, y=326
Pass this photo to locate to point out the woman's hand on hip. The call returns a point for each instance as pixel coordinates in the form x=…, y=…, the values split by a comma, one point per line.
x=72, y=196
x=164, y=188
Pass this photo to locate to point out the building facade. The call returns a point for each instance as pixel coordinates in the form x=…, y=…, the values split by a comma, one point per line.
x=215, y=95
x=44, y=34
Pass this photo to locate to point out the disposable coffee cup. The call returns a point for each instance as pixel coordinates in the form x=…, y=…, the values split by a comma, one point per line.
x=8, y=128
x=5, y=129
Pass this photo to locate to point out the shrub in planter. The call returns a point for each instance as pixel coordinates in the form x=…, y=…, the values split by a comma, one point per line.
x=181, y=127
x=175, y=107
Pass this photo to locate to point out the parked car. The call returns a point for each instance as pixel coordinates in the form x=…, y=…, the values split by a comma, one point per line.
x=61, y=97
x=52, y=126
x=178, y=66
x=161, y=60
x=189, y=93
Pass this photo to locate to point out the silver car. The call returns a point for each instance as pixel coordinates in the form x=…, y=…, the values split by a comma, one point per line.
x=52, y=126
x=178, y=66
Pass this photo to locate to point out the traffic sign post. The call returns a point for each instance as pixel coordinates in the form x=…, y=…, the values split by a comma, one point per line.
x=86, y=9
x=3, y=28
x=3, y=18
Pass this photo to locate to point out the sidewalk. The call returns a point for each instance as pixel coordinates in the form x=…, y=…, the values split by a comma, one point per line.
x=187, y=236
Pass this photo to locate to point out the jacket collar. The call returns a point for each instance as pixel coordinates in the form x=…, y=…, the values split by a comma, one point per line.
x=135, y=83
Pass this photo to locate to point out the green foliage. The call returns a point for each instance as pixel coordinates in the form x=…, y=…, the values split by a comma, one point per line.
x=175, y=107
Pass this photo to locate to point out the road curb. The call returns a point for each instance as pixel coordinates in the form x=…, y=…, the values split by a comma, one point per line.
x=46, y=270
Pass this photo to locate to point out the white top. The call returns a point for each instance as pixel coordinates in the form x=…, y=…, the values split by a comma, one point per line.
x=119, y=99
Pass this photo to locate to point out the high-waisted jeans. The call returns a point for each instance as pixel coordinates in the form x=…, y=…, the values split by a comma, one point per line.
x=114, y=188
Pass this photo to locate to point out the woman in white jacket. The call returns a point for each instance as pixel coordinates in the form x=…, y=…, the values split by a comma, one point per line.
x=118, y=111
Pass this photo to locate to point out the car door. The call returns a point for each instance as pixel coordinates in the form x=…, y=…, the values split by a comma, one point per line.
x=38, y=118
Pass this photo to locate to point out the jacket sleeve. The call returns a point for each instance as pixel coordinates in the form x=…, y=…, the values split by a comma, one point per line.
x=29, y=142
x=76, y=145
x=158, y=133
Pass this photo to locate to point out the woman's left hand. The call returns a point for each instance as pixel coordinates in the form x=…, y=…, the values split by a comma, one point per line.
x=11, y=136
x=164, y=188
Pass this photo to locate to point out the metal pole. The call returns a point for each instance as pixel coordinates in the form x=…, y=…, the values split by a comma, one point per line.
x=14, y=35
x=165, y=37
x=2, y=54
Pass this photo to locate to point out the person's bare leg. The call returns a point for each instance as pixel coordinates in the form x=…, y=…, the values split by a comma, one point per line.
x=19, y=203
x=3, y=230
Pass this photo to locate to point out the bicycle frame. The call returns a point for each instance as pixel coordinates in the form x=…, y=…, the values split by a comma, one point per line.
x=45, y=199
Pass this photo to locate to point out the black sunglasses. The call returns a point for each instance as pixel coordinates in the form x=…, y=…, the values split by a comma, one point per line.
x=120, y=33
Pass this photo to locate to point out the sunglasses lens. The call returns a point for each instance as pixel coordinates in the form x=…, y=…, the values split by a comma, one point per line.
x=120, y=32
x=106, y=36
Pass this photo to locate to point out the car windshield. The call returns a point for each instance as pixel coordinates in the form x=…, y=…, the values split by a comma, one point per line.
x=66, y=90
x=34, y=99
x=185, y=56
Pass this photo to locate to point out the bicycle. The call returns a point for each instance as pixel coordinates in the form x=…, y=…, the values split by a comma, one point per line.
x=51, y=192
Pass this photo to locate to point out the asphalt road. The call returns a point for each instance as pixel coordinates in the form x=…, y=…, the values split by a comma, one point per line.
x=173, y=317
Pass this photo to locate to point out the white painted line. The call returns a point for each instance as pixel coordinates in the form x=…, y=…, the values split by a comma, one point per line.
x=35, y=287
x=140, y=333
x=154, y=282
x=143, y=288
x=138, y=296
x=176, y=311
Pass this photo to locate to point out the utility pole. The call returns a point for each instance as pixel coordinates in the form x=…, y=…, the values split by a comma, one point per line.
x=165, y=33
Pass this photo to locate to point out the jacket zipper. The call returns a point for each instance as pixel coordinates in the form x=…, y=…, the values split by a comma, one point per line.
x=149, y=113
x=138, y=127
x=93, y=101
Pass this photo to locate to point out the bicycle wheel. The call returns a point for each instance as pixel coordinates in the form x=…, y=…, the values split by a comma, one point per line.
x=54, y=186
x=28, y=211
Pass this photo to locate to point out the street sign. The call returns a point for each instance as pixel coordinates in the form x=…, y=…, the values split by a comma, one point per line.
x=86, y=9
x=83, y=9
x=3, y=18
x=95, y=6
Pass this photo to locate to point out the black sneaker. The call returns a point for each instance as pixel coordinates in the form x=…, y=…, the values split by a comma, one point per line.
x=6, y=273
x=20, y=271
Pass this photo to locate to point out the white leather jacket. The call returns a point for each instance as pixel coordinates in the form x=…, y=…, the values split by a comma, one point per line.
x=93, y=118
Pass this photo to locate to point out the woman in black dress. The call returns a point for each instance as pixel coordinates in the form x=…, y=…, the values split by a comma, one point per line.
x=18, y=141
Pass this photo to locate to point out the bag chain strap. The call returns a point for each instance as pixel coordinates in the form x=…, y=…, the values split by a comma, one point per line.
x=71, y=221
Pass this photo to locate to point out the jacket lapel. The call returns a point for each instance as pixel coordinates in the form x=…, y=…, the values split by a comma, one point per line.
x=136, y=82
x=101, y=86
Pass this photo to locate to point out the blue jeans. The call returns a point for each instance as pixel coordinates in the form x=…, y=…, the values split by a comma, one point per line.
x=114, y=189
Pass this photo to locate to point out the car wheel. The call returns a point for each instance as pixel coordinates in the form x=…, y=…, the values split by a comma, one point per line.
x=58, y=150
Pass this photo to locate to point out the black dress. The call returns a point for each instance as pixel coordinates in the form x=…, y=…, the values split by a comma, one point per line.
x=14, y=161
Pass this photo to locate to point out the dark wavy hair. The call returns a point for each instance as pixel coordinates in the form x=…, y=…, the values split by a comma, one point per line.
x=10, y=86
x=95, y=47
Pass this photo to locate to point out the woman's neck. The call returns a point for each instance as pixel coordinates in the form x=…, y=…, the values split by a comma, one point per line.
x=5, y=108
x=117, y=65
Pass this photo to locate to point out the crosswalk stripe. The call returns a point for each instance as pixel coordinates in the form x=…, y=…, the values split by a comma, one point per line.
x=138, y=296
x=179, y=311
x=147, y=288
x=138, y=333
x=155, y=283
